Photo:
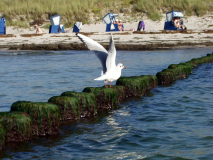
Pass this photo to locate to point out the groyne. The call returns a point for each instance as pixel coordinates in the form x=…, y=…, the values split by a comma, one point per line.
x=28, y=120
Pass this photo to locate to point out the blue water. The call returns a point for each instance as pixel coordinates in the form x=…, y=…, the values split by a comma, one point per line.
x=173, y=122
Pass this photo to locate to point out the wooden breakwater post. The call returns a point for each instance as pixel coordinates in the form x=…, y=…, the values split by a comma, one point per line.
x=2, y=136
x=106, y=98
x=45, y=116
x=75, y=105
x=15, y=126
x=137, y=85
x=181, y=70
x=27, y=119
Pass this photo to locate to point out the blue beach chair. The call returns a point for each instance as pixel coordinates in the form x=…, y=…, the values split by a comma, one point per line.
x=109, y=18
x=55, y=27
x=169, y=16
x=77, y=26
x=2, y=25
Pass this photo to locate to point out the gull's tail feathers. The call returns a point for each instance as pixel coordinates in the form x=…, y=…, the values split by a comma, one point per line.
x=101, y=78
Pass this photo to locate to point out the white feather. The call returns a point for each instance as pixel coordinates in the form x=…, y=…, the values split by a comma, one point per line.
x=110, y=72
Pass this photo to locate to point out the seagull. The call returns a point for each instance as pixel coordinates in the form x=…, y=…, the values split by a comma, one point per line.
x=110, y=71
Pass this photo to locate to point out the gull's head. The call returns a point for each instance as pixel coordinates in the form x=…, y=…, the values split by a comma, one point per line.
x=120, y=66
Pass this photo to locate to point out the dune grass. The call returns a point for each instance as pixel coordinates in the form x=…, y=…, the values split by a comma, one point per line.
x=72, y=11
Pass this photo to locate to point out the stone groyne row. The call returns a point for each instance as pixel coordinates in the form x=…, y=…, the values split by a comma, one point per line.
x=32, y=119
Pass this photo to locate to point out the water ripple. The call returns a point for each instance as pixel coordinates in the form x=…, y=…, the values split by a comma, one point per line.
x=170, y=122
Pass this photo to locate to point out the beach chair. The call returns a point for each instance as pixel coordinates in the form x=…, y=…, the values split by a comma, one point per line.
x=2, y=25
x=77, y=26
x=109, y=19
x=56, y=27
x=169, y=16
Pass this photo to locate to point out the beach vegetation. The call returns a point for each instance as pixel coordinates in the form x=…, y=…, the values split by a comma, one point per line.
x=47, y=26
x=17, y=23
x=81, y=10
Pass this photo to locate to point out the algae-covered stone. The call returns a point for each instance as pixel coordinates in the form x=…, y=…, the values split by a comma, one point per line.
x=137, y=85
x=69, y=107
x=17, y=126
x=106, y=98
x=87, y=103
x=2, y=136
x=45, y=116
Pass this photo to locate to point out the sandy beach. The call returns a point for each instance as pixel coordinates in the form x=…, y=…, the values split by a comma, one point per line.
x=199, y=32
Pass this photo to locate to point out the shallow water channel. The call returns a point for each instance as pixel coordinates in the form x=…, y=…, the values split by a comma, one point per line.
x=169, y=122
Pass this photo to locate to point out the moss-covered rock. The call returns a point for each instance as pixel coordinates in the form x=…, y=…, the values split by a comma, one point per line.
x=17, y=126
x=106, y=98
x=87, y=103
x=2, y=136
x=137, y=85
x=69, y=107
x=45, y=116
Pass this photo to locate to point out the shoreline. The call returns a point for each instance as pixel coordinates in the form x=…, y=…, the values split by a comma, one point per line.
x=199, y=32
x=126, y=40
x=129, y=47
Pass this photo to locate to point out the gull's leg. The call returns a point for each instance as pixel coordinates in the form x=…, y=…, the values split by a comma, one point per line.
x=110, y=84
x=105, y=84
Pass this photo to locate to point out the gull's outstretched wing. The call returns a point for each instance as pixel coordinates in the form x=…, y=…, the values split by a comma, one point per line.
x=98, y=49
x=110, y=62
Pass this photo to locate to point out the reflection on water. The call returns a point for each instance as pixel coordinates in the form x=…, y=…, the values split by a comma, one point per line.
x=170, y=122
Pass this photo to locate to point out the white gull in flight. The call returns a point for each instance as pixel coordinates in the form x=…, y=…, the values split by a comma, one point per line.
x=110, y=72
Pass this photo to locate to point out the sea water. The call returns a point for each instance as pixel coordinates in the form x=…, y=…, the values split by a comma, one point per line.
x=170, y=122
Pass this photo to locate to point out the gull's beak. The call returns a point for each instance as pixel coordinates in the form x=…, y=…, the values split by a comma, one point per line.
x=124, y=68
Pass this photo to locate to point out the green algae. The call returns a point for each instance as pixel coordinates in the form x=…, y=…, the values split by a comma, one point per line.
x=138, y=84
x=66, y=103
x=182, y=70
x=2, y=136
x=104, y=96
x=174, y=72
x=197, y=61
x=22, y=120
x=121, y=91
x=87, y=99
x=16, y=121
x=38, y=111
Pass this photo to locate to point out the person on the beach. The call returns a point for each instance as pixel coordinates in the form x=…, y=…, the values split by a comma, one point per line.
x=120, y=26
x=181, y=24
x=38, y=30
x=176, y=22
x=115, y=21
